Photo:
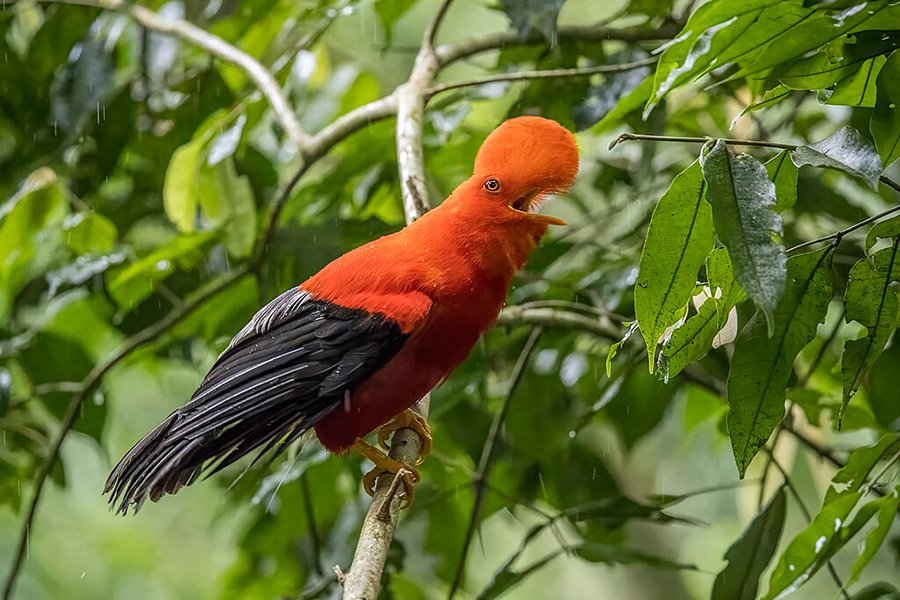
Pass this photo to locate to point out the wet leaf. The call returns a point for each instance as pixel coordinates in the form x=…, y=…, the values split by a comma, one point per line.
x=90, y=232
x=695, y=338
x=227, y=201
x=812, y=547
x=870, y=301
x=678, y=240
x=887, y=512
x=847, y=151
x=885, y=123
x=742, y=198
x=860, y=463
x=749, y=556
x=606, y=96
x=762, y=365
x=181, y=187
x=783, y=173
x=81, y=86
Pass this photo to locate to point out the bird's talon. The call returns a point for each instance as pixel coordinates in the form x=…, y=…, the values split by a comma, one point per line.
x=412, y=420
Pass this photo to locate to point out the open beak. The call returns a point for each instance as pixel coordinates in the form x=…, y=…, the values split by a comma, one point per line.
x=531, y=201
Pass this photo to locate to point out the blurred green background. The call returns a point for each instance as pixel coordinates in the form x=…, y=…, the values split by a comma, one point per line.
x=136, y=170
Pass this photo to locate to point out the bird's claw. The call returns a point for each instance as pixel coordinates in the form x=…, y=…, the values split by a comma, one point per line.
x=408, y=419
x=410, y=478
x=386, y=464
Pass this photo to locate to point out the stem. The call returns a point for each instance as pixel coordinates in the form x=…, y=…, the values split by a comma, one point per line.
x=482, y=473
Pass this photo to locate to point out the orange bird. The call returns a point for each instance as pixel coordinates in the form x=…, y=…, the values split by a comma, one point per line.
x=353, y=347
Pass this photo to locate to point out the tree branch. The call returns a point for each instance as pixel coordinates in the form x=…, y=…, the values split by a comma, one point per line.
x=542, y=74
x=449, y=53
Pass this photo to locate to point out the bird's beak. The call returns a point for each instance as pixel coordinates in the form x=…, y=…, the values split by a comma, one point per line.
x=530, y=200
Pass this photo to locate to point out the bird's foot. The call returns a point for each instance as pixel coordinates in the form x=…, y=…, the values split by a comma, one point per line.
x=412, y=420
x=386, y=464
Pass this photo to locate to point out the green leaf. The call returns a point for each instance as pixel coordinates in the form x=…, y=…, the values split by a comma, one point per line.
x=887, y=512
x=137, y=281
x=81, y=85
x=678, y=240
x=762, y=365
x=742, y=198
x=90, y=232
x=860, y=463
x=845, y=150
x=29, y=233
x=870, y=301
x=693, y=340
x=783, y=173
x=876, y=591
x=181, y=187
x=859, y=89
x=612, y=554
x=812, y=547
x=885, y=123
x=389, y=11
x=533, y=15
x=749, y=556
x=715, y=34
x=227, y=201
x=883, y=382
x=506, y=578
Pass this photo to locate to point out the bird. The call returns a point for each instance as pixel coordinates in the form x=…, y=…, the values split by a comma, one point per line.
x=354, y=347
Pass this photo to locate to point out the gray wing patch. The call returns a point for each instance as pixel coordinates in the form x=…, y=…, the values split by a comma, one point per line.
x=283, y=307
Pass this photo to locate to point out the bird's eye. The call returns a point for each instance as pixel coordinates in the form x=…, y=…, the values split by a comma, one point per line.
x=492, y=185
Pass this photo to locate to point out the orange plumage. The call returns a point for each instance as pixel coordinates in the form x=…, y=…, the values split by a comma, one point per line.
x=372, y=332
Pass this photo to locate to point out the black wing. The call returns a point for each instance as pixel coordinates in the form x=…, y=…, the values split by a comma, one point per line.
x=289, y=367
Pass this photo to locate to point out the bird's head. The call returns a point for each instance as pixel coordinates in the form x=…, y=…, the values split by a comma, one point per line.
x=522, y=162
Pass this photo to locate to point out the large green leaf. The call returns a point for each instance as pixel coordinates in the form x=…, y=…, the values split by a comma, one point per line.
x=845, y=150
x=885, y=123
x=181, y=188
x=715, y=31
x=29, y=235
x=227, y=201
x=761, y=365
x=692, y=340
x=783, y=173
x=870, y=301
x=749, y=556
x=813, y=546
x=679, y=238
x=860, y=463
x=887, y=512
x=742, y=198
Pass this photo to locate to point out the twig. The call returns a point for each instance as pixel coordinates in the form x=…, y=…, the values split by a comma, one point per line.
x=219, y=48
x=549, y=317
x=363, y=581
x=808, y=516
x=837, y=236
x=482, y=473
x=311, y=524
x=542, y=74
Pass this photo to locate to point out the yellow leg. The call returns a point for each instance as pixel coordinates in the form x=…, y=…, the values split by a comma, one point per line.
x=386, y=464
x=412, y=420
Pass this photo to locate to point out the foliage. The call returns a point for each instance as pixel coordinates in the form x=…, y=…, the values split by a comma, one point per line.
x=755, y=246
